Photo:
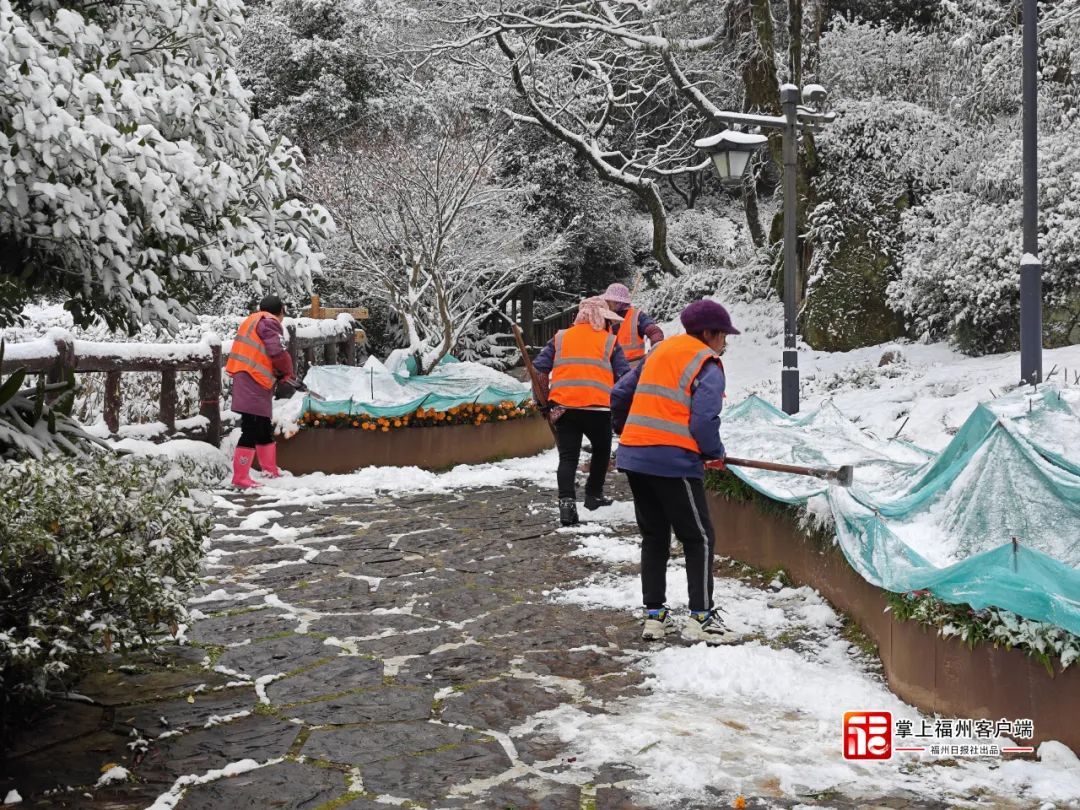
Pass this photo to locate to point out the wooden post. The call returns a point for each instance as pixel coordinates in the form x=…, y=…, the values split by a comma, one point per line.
x=527, y=294
x=330, y=353
x=349, y=347
x=210, y=397
x=65, y=362
x=113, y=401
x=316, y=307
x=294, y=352
x=167, y=403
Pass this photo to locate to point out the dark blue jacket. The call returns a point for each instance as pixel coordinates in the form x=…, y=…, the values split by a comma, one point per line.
x=668, y=461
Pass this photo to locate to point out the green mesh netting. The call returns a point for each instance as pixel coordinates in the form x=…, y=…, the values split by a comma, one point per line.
x=375, y=391
x=992, y=520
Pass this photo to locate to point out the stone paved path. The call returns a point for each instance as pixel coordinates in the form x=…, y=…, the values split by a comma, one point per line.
x=371, y=650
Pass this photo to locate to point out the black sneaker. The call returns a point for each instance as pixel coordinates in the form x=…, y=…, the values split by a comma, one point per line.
x=568, y=512
x=596, y=501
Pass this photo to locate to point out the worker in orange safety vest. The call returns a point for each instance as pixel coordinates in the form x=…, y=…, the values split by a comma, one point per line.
x=667, y=413
x=577, y=370
x=257, y=361
x=636, y=325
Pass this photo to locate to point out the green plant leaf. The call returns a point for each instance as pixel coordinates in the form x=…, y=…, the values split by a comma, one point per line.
x=12, y=386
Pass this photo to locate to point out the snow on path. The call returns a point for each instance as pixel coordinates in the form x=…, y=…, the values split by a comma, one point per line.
x=764, y=717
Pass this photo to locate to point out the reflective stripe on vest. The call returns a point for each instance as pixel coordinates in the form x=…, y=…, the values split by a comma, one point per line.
x=248, y=353
x=630, y=339
x=581, y=376
x=660, y=410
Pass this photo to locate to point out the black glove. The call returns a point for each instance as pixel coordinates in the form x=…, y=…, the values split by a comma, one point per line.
x=287, y=386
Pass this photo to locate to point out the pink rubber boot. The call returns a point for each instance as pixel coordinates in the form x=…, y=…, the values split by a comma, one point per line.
x=267, y=455
x=241, y=465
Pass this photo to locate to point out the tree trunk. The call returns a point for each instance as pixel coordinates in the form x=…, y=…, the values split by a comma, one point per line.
x=752, y=31
x=753, y=215
x=795, y=23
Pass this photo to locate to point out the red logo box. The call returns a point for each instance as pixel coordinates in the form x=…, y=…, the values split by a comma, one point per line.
x=868, y=735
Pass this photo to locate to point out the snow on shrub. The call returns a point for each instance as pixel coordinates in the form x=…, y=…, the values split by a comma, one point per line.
x=720, y=257
x=135, y=174
x=960, y=266
x=93, y=557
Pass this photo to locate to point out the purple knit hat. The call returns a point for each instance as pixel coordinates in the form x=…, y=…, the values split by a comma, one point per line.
x=705, y=314
x=617, y=293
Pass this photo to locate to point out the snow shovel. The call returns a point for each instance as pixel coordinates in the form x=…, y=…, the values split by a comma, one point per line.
x=288, y=388
x=844, y=475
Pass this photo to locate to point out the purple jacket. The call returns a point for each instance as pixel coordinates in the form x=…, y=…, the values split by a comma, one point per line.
x=247, y=395
x=664, y=460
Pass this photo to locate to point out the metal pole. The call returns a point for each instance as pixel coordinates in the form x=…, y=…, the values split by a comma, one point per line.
x=1030, y=266
x=789, y=376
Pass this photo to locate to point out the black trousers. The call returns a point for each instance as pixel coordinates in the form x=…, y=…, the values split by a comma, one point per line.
x=663, y=504
x=569, y=430
x=255, y=430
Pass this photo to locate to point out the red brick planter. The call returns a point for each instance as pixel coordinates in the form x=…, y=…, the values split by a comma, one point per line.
x=938, y=675
x=343, y=450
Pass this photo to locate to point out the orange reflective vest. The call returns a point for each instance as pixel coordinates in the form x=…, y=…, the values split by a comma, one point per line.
x=660, y=410
x=248, y=353
x=630, y=339
x=581, y=376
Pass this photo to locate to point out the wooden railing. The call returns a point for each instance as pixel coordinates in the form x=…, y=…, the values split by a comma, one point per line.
x=57, y=354
x=320, y=348
x=518, y=307
x=544, y=329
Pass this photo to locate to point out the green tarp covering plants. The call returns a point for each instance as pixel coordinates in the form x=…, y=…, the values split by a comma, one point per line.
x=991, y=520
x=376, y=391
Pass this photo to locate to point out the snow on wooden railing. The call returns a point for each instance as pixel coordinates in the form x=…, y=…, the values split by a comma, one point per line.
x=58, y=353
x=336, y=338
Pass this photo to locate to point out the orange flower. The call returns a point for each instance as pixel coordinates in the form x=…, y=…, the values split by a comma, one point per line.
x=739, y=803
x=385, y=429
x=397, y=423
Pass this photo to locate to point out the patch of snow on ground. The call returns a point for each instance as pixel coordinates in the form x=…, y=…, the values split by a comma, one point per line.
x=752, y=719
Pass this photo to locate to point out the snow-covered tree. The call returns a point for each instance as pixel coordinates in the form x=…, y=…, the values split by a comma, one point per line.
x=626, y=85
x=441, y=242
x=313, y=65
x=132, y=170
x=960, y=267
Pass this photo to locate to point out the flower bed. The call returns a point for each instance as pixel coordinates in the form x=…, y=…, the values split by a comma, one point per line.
x=430, y=439
x=1045, y=642
x=469, y=414
x=942, y=658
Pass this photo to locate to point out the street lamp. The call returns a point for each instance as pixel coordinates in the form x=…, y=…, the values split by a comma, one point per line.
x=1030, y=266
x=730, y=153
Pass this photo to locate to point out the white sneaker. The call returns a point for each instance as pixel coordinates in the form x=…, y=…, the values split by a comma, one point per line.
x=658, y=623
x=706, y=626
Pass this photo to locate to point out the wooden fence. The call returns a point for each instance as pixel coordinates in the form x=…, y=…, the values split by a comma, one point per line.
x=58, y=354
x=518, y=307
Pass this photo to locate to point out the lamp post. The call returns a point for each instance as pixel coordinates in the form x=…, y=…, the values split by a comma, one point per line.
x=1030, y=265
x=730, y=151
